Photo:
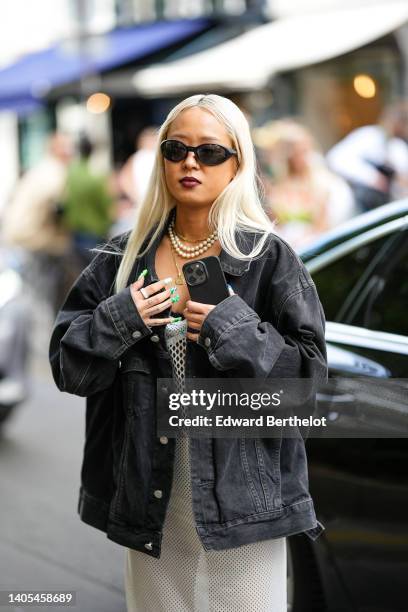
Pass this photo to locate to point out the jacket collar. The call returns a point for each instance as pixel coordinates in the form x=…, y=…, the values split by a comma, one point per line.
x=229, y=264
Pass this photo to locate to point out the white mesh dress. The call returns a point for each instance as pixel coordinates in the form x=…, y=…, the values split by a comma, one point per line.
x=186, y=577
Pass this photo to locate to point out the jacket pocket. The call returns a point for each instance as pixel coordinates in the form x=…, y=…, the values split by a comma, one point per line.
x=138, y=385
x=236, y=496
x=268, y=451
x=120, y=474
x=261, y=462
x=130, y=501
x=134, y=460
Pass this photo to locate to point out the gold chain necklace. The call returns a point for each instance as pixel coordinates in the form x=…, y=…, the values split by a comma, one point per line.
x=180, y=278
x=181, y=237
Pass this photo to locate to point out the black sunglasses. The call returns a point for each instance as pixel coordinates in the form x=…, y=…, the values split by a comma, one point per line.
x=208, y=154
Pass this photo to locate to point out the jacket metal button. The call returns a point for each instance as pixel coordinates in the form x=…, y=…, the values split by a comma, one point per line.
x=136, y=334
x=154, y=338
x=158, y=494
x=149, y=545
x=207, y=342
x=163, y=440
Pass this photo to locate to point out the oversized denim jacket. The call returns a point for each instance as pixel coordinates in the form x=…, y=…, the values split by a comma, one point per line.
x=243, y=489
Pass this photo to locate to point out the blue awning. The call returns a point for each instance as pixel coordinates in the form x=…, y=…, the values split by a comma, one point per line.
x=27, y=81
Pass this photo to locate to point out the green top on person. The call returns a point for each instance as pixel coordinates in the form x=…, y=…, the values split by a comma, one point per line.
x=87, y=202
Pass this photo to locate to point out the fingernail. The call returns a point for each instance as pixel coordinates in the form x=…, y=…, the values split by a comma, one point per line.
x=167, y=280
x=173, y=290
x=175, y=299
x=175, y=319
x=142, y=274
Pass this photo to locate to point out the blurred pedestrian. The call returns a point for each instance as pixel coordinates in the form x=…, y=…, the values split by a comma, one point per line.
x=88, y=209
x=32, y=220
x=135, y=174
x=133, y=178
x=374, y=158
x=299, y=189
x=124, y=206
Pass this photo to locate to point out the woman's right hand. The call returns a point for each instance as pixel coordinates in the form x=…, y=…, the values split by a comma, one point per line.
x=156, y=301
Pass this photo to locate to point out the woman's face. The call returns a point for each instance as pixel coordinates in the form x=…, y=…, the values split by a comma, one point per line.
x=195, y=126
x=299, y=159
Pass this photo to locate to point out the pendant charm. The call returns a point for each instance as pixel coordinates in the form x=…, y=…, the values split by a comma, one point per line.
x=180, y=280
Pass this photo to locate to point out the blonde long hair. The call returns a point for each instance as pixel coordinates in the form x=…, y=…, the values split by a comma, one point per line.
x=238, y=207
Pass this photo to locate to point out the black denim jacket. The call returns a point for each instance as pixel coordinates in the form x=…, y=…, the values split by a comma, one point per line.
x=243, y=489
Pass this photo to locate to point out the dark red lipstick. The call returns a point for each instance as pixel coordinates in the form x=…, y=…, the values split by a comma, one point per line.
x=189, y=181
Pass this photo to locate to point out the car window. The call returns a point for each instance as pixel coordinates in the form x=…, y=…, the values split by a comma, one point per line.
x=385, y=305
x=340, y=280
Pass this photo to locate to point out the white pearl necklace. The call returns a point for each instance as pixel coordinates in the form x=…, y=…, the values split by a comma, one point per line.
x=190, y=252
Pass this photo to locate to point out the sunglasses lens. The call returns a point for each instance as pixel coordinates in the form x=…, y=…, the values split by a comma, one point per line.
x=173, y=150
x=212, y=154
x=207, y=154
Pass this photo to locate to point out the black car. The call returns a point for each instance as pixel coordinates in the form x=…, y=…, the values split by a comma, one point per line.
x=359, y=470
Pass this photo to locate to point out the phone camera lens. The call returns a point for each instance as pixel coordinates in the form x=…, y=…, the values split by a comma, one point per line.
x=195, y=273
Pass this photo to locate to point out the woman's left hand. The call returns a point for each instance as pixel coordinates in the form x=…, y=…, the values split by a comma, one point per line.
x=195, y=313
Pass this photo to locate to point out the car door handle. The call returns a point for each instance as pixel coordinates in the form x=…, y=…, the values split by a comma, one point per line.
x=343, y=398
x=335, y=405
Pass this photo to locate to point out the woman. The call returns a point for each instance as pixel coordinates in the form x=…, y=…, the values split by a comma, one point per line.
x=298, y=186
x=204, y=520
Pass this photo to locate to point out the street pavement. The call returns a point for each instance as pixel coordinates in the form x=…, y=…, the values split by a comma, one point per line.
x=43, y=544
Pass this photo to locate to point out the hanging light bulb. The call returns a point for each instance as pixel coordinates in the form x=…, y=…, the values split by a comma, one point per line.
x=365, y=86
x=98, y=103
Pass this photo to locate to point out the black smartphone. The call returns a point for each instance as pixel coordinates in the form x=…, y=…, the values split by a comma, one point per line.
x=205, y=280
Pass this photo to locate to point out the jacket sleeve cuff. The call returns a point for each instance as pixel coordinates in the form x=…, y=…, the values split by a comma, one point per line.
x=235, y=339
x=127, y=321
x=225, y=316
